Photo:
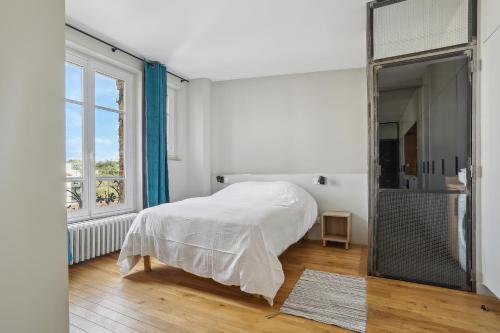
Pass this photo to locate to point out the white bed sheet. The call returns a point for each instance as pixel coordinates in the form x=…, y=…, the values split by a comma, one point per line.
x=233, y=236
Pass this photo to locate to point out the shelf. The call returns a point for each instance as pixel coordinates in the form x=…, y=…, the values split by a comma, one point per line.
x=335, y=213
x=335, y=238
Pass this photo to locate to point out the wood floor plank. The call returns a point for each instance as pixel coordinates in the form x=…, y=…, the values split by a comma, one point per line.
x=138, y=325
x=86, y=325
x=74, y=329
x=150, y=318
x=170, y=300
x=100, y=320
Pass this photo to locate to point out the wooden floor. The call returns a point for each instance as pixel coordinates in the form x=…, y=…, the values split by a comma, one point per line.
x=170, y=300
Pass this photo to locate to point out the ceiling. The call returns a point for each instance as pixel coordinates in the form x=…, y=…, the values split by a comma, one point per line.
x=398, y=77
x=231, y=39
x=408, y=75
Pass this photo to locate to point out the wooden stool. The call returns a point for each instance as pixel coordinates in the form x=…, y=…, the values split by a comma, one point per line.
x=336, y=227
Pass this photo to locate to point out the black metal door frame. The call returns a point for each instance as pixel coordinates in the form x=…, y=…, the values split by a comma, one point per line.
x=373, y=68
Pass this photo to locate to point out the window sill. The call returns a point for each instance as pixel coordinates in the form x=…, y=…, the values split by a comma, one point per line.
x=173, y=158
x=100, y=216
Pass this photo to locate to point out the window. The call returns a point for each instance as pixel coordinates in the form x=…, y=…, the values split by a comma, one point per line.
x=99, y=138
x=171, y=123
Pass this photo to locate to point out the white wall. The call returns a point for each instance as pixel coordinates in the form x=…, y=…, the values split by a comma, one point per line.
x=294, y=126
x=74, y=37
x=178, y=168
x=490, y=159
x=304, y=123
x=199, y=155
x=34, y=279
x=190, y=174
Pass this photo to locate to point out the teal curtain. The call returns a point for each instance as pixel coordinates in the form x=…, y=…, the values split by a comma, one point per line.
x=70, y=253
x=155, y=161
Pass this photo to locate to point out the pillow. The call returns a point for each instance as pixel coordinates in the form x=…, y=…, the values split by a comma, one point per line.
x=276, y=192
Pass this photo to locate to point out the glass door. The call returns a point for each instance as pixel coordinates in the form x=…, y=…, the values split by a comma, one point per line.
x=422, y=222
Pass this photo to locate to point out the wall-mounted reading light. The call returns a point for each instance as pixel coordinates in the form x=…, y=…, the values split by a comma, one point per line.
x=220, y=179
x=320, y=180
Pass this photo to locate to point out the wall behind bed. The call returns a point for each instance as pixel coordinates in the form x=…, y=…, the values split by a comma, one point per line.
x=342, y=192
x=292, y=127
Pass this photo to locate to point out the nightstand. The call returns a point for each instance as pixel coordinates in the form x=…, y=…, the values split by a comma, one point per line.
x=336, y=227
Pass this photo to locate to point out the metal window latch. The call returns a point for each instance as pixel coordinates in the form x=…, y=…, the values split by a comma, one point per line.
x=475, y=171
x=473, y=66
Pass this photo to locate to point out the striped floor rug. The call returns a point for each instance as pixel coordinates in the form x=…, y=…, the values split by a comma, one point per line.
x=329, y=298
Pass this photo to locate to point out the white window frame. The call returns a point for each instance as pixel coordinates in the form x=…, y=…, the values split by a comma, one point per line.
x=171, y=102
x=90, y=66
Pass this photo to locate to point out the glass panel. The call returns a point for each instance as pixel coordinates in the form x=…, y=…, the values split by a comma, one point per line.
x=403, y=27
x=109, y=92
x=423, y=226
x=74, y=192
x=74, y=135
x=110, y=192
x=74, y=82
x=109, y=143
x=423, y=135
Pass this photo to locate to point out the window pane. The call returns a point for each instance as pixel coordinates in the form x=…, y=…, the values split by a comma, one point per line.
x=110, y=192
x=109, y=92
x=74, y=82
x=74, y=133
x=74, y=196
x=109, y=143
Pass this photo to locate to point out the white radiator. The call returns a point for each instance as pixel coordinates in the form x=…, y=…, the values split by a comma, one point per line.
x=90, y=239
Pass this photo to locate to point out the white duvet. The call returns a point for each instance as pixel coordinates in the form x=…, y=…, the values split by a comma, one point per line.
x=233, y=236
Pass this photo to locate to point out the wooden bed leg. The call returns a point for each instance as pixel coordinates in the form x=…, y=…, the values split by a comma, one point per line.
x=147, y=263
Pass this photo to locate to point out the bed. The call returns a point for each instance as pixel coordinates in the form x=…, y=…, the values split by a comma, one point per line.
x=233, y=236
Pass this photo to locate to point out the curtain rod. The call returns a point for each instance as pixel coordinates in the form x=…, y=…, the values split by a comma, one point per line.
x=116, y=48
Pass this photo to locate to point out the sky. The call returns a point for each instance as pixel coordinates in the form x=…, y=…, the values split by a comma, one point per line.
x=106, y=122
